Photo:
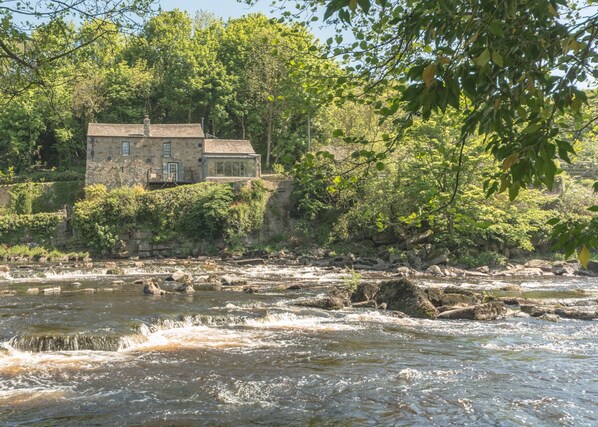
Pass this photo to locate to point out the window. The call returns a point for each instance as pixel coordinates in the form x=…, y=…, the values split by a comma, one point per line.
x=125, y=148
x=219, y=168
x=173, y=171
x=166, y=149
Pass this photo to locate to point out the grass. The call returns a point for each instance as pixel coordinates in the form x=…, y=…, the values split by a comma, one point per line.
x=9, y=253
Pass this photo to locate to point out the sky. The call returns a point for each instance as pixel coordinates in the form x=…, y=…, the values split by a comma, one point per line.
x=233, y=9
x=221, y=8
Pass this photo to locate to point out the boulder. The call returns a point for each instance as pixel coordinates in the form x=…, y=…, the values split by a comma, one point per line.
x=232, y=281
x=539, y=263
x=185, y=288
x=487, y=311
x=294, y=288
x=325, y=303
x=438, y=256
x=450, y=298
x=550, y=317
x=336, y=300
x=52, y=291
x=533, y=310
x=251, y=290
x=209, y=287
x=403, y=295
x=365, y=304
x=4, y=268
x=75, y=285
x=572, y=313
x=152, y=288
x=33, y=291
x=434, y=270
x=435, y=295
x=563, y=269
x=117, y=283
x=417, y=239
x=365, y=292
x=181, y=277
x=405, y=272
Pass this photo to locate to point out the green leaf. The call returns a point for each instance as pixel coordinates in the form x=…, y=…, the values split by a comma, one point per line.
x=337, y=133
x=495, y=28
x=483, y=58
x=553, y=221
x=497, y=59
x=584, y=256
x=514, y=191
x=380, y=166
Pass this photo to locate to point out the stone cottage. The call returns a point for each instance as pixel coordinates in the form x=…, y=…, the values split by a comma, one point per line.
x=164, y=155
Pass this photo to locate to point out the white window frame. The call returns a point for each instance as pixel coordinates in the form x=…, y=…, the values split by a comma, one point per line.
x=125, y=152
x=167, y=154
x=173, y=175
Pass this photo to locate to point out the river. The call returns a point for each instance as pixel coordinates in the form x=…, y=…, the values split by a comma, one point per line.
x=118, y=357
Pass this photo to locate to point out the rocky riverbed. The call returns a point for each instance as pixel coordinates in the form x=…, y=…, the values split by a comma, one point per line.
x=274, y=341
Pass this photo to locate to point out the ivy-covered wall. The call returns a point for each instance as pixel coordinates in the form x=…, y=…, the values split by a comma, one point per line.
x=191, y=213
x=39, y=229
x=37, y=197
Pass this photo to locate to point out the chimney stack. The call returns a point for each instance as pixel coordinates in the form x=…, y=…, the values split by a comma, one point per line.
x=146, y=126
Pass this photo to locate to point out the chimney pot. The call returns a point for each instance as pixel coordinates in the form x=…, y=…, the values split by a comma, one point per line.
x=146, y=126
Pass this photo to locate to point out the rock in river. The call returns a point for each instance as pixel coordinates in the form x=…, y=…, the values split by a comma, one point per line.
x=181, y=277
x=185, y=288
x=336, y=300
x=488, y=311
x=152, y=288
x=403, y=295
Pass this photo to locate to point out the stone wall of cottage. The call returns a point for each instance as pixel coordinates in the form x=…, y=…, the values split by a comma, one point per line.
x=106, y=164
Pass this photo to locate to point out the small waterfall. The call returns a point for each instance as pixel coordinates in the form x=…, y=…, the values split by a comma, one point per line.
x=79, y=342
x=50, y=343
x=191, y=321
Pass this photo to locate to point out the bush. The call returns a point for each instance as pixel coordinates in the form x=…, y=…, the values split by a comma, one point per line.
x=192, y=212
x=489, y=258
x=38, y=228
x=33, y=197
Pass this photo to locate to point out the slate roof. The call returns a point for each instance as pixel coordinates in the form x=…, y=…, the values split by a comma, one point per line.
x=193, y=130
x=228, y=146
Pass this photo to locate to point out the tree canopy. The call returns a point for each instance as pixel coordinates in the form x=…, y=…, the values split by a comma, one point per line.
x=514, y=72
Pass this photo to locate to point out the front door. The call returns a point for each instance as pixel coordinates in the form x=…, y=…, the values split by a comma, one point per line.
x=173, y=171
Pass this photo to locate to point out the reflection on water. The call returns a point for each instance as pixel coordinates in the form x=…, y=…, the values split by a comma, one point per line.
x=229, y=358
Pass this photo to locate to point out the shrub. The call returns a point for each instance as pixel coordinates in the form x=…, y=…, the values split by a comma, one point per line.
x=193, y=212
x=37, y=228
x=489, y=258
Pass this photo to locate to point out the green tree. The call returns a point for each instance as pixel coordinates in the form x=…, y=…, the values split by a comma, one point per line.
x=26, y=59
x=512, y=70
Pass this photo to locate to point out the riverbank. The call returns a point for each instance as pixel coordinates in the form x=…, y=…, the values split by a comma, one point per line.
x=82, y=343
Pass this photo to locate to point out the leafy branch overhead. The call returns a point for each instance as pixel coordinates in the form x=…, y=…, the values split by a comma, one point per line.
x=514, y=71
